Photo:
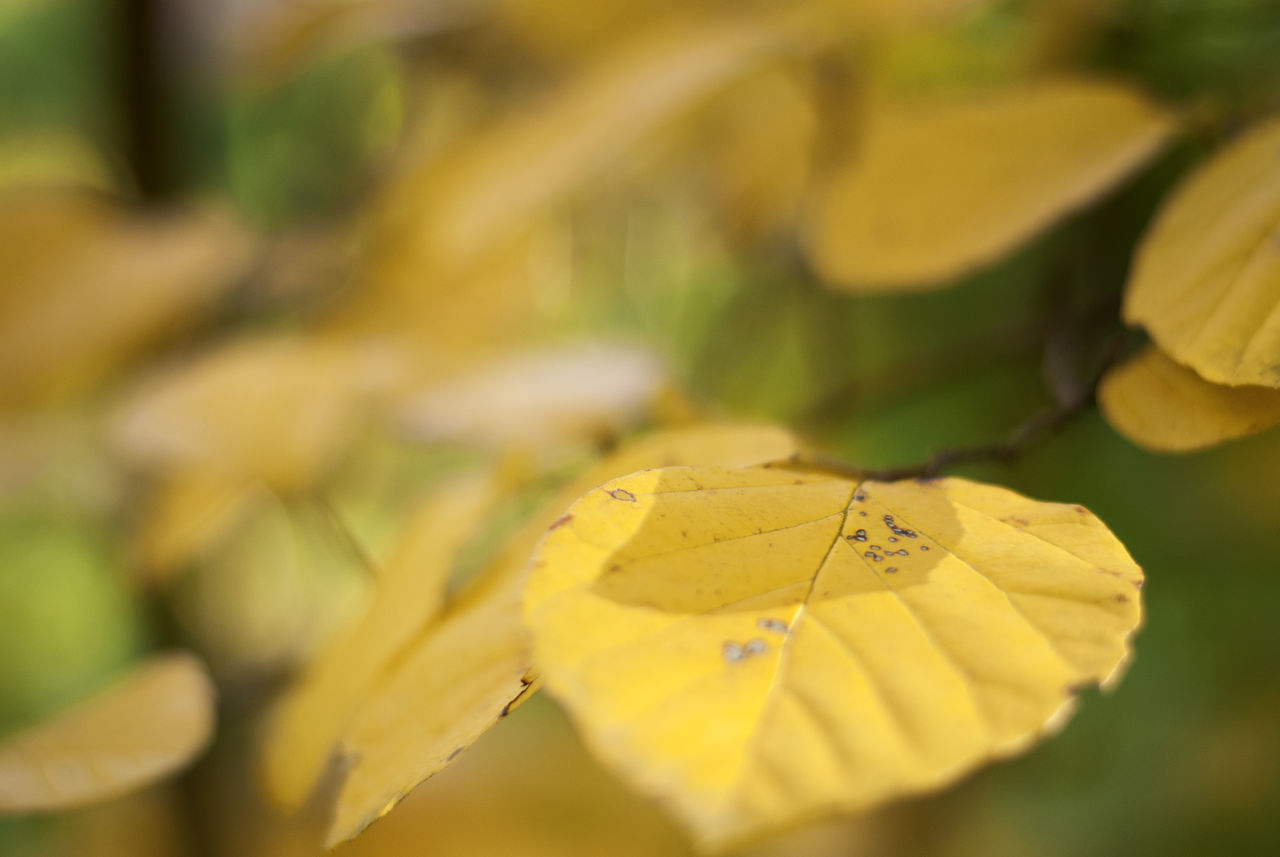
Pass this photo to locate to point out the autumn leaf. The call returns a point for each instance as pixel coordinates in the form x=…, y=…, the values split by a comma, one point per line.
x=146, y=726
x=937, y=189
x=1161, y=405
x=463, y=674
x=759, y=646
x=275, y=409
x=1206, y=282
x=90, y=284
x=410, y=592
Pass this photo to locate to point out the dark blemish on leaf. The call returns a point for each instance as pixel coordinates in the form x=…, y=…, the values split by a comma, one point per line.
x=1081, y=510
x=924, y=547
x=614, y=567
x=622, y=494
x=798, y=482
x=903, y=552
x=732, y=652
x=563, y=519
x=863, y=514
x=868, y=553
x=1017, y=521
x=1120, y=598
x=684, y=534
x=891, y=569
x=455, y=754
x=775, y=625
x=896, y=530
x=893, y=538
x=1137, y=584
x=874, y=547
x=756, y=646
x=860, y=536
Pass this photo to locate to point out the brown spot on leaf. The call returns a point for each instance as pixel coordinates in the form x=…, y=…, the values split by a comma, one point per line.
x=561, y=521
x=622, y=494
x=1120, y=598
x=457, y=752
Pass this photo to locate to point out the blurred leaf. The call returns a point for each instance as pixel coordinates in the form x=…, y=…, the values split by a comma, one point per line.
x=149, y=724
x=277, y=409
x=466, y=672
x=1161, y=405
x=89, y=285
x=759, y=646
x=185, y=518
x=409, y=594
x=261, y=598
x=1206, y=283
x=937, y=189
x=509, y=174
x=538, y=398
x=53, y=159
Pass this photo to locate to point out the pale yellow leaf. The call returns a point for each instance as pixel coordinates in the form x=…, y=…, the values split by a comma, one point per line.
x=756, y=647
x=267, y=591
x=1161, y=405
x=496, y=183
x=187, y=517
x=538, y=397
x=939, y=188
x=147, y=725
x=463, y=674
x=1206, y=283
x=89, y=284
x=410, y=589
x=278, y=410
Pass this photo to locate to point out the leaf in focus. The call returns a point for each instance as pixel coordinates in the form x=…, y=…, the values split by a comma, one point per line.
x=147, y=725
x=1161, y=405
x=937, y=189
x=756, y=647
x=1206, y=282
x=89, y=284
x=409, y=593
x=466, y=672
x=278, y=409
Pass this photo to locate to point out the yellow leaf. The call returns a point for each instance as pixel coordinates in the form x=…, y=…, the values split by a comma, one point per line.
x=149, y=724
x=1161, y=405
x=466, y=672
x=937, y=189
x=494, y=185
x=186, y=518
x=537, y=398
x=88, y=285
x=759, y=646
x=279, y=410
x=308, y=720
x=268, y=590
x=1206, y=283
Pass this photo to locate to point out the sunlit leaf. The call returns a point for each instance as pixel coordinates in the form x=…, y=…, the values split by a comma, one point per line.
x=88, y=285
x=936, y=189
x=146, y=726
x=1161, y=405
x=279, y=410
x=759, y=646
x=466, y=672
x=1206, y=283
x=409, y=593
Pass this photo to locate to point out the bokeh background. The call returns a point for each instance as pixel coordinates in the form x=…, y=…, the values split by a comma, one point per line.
x=249, y=262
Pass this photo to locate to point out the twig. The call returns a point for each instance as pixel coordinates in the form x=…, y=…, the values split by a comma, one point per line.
x=1037, y=427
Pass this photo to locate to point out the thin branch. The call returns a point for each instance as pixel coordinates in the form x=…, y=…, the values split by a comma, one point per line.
x=1038, y=427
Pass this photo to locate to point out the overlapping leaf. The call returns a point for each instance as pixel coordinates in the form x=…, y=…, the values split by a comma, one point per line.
x=1206, y=283
x=1161, y=405
x=759, y=646
x=147, y=725
x=464, y=673
x=937, y=189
